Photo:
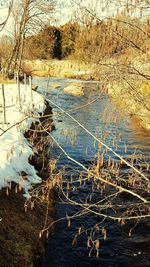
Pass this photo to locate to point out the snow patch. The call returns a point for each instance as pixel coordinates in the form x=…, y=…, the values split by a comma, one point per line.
x=14, y=147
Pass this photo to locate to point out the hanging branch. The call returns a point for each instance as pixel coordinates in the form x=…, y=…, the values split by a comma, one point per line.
x=100, y=142
x=118, y=187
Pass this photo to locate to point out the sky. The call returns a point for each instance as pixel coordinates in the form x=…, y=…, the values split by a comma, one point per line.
x=3, y=16
x=61, y=16
x=3, y=13
x=67, y=9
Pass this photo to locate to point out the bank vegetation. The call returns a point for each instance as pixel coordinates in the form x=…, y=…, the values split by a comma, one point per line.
x=113, y=49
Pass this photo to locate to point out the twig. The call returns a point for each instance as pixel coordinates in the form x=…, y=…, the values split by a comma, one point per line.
x=98, y=140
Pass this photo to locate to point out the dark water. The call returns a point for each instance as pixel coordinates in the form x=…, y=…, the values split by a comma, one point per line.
x=103, y=119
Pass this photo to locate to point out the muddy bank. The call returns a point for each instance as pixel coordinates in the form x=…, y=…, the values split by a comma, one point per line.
x=20, y=245
x=19, y=231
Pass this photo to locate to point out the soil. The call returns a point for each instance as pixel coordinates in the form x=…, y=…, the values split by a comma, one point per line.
x=20, y=244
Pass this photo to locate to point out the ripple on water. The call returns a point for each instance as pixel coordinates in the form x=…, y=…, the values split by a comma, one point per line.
x=119, y=250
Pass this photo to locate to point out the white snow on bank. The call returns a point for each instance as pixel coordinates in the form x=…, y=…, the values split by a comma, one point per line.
x=82, y=72
x=14, y=148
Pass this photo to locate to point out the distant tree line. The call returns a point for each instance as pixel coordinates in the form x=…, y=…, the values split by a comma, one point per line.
x=90, y=41
x=52, y=42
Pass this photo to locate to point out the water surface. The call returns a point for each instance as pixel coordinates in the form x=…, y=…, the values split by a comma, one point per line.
x=105, y=121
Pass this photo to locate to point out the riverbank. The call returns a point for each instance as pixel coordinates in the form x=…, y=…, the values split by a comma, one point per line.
x=136, y=103
x=21, y=221
x=59, y=68
x=20, y=245
x=130, y=99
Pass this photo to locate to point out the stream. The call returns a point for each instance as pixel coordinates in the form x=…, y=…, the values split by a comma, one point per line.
x=103, y=119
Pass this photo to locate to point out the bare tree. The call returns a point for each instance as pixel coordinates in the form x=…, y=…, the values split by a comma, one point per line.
x=115, y=37
x=28, y=16
x=10, y=6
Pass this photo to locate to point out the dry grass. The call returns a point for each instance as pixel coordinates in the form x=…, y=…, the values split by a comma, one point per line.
x=145, y=88
x=56, y=68
x=6, y=81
